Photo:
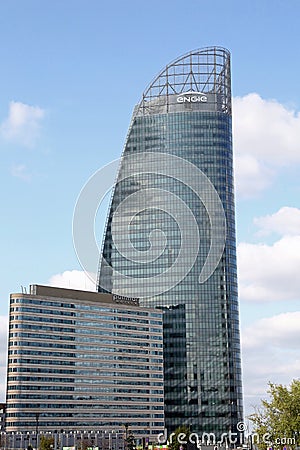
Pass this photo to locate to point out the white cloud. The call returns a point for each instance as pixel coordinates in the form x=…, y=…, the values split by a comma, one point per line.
x=251, y=176
x=266, y=136
x=270, y=272
x=270, y=353
x=279, y=331
x=266, y=129
x=22, y=124
x=286, y=221
x=74, y=279
x=20, y=171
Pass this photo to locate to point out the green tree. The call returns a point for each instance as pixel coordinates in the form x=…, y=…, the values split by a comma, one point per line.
x=46, y=443
x=181, y=434
x=278, y=419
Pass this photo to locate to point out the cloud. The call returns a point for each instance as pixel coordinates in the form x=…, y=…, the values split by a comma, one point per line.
x=3, y=355
x=270, y=353
x=266, y=137
x=279, y=331
x=266, y=129
x=286, y=221
x=270, y=272
x=74, y=279
x=252, y=177
x=22, y=124
x=20, y=171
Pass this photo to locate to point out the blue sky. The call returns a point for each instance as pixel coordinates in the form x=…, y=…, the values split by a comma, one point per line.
x=70, y=76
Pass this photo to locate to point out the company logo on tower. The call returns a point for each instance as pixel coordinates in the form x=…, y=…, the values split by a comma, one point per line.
x=192, y=97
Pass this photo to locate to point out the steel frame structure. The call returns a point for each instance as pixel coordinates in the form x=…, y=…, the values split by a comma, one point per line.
x=204, y=70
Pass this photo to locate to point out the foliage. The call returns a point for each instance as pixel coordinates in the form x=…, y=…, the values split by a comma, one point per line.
x=279, y=417
x=174, y=442
x=46, y=443
x=130, y=442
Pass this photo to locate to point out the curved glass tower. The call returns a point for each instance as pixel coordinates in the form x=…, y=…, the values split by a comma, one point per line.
x=170, y=236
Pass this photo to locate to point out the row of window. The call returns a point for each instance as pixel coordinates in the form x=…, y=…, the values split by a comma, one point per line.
x=78, y=361
x=78, y=347
x=85, y=424
x=28, y=414
x=75, y=390
x=81, y=307
x=132, y=353
x=86, y=327
x=130, y=404
x=77, y=387
x=78, y=337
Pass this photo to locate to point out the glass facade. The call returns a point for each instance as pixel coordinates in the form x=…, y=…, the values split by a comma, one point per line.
x=163, y=227
x=83, y=362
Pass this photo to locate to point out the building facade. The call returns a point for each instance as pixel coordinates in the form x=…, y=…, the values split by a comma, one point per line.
x=170, y=236
x=85, y=362
x=2, y=416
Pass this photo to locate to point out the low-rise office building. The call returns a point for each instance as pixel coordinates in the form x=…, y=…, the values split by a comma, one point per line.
x=80, y=361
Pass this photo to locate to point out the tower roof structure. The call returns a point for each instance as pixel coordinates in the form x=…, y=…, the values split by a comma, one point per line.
x=198, y=71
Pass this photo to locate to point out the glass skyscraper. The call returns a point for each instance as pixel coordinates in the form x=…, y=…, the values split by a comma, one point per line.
x=170, y=236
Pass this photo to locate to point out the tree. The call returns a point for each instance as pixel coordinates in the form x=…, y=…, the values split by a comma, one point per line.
x=46, y=443
x=180, y=435
x=277, y=421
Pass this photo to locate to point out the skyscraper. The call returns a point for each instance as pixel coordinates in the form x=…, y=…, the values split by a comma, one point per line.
x=170, y=236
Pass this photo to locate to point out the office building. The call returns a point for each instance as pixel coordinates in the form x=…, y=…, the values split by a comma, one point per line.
x=85, y=362
x=170, y=236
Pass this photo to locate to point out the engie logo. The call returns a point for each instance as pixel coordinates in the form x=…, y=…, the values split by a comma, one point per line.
x=192, y=97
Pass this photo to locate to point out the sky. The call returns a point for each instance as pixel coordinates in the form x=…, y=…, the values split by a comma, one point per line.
x=70, y=76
